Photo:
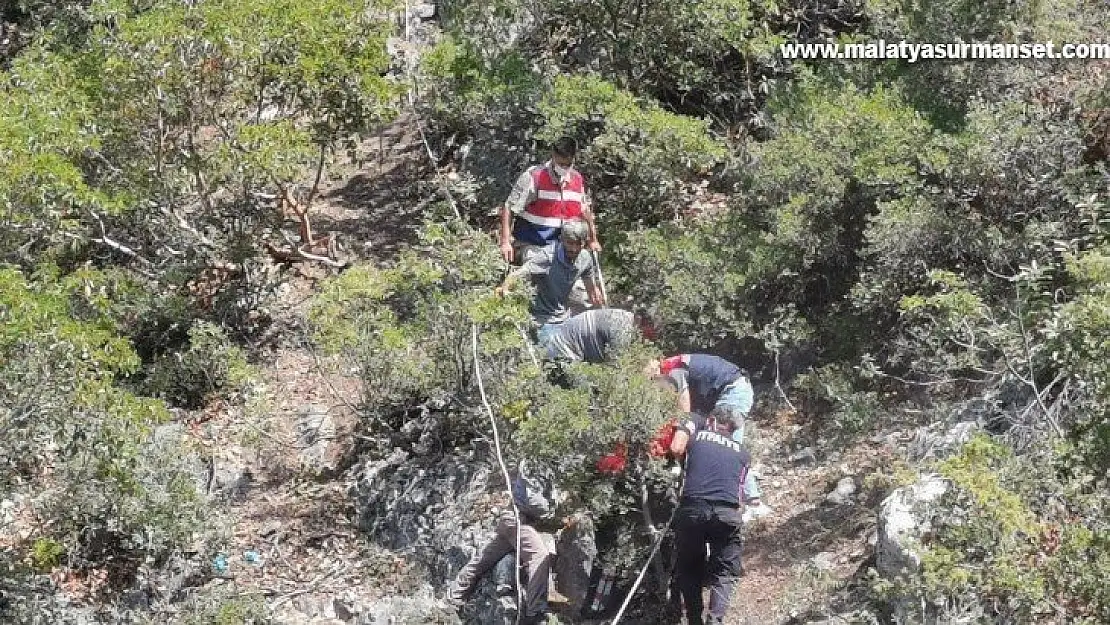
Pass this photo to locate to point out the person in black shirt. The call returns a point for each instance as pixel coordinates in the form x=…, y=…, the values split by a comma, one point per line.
x=710, y=513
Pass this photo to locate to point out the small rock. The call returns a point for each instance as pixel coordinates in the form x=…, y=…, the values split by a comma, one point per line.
x=824, y=561
x=229, y=478
x=577, y=553
x=804, y=456
x=758, y=512
x=938, y=440
x=343, y=612
x=843, y=492
x=316, y=429
x=425, y=11
x=269, y=529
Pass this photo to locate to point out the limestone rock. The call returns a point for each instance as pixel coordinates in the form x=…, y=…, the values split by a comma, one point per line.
x=843, y=492
x=316, y=433
x=574, y=564
x=904, y=518
x=939, y=440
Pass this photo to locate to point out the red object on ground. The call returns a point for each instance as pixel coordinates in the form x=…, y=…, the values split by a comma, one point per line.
x=614, y=462
x=660, y=444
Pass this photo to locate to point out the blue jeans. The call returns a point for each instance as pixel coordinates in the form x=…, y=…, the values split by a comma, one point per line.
x=544, y=335
x=740, y=397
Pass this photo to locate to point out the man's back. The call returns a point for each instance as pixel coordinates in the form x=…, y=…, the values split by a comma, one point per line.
x=593, y=336
x=716, y=468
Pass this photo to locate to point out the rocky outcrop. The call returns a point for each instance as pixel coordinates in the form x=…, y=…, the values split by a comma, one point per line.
x=316, y=434
x=577, y=553
x=417, y=608
x=905, y=517
x=843, y=493
x=436, y=511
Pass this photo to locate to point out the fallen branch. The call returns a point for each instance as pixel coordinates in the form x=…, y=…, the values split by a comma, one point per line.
x=778, y=385
x=306, y=249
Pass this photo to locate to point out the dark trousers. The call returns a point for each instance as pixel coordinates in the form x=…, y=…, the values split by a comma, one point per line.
x=699, y=524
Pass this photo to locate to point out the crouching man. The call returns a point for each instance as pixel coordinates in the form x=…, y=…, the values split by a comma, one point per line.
x=535, y=556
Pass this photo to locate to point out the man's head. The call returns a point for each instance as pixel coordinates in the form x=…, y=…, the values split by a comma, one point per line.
x=725, y=420
x=645, y=322
x=573, y=237
x=665, y=382
x=563, y=152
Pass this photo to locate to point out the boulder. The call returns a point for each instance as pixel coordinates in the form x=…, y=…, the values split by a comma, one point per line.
x=824, y=561
x=574, y=563
x=805, y=455
x=905, y=517
x=316, y=434
x=436, y=511
x=230, y=477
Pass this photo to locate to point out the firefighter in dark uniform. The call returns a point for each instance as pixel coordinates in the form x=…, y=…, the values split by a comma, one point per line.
x=710, y=512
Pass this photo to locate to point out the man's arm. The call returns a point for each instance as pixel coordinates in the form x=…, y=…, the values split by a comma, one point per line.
x=591, y=279
x=681, y=439
x=538, y=264
x=679, y=376
x=506, y=235
x=512, y=278
x=679, y=442
x=594, y=292
x=522, y=195
x=588, y=214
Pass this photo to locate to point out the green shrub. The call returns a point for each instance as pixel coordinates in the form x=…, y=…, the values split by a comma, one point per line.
x=46, y=554
x=1002, y=549
x=81, y=447
x=211, y=365
x=221, y=606
x=640, y=159
x=409, y=326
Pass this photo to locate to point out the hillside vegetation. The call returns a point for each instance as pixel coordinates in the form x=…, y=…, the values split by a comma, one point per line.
x=884, y=245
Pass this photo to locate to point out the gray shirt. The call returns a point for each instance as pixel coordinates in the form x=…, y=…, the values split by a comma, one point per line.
x=594, y=336
x=554, y=277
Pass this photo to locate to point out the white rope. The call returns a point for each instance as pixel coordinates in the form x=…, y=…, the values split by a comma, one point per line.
x=501, y=462
x=643, y=571
x=528, y=344
x=600, y=279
